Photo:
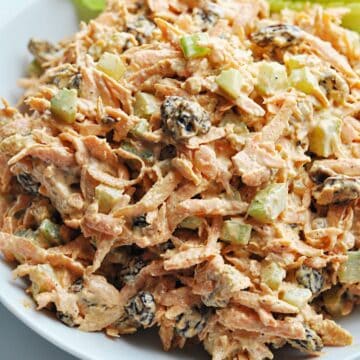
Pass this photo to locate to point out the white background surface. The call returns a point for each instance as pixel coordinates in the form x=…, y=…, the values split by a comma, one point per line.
x=18, y=342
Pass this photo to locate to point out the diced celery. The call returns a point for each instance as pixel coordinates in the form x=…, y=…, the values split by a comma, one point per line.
x=34, y=69
x=351, y=20
x=324, y=136
x=63, y=105
x=304, y=80
x=50, y=232
x=239, y=126
x=191, y=222
x=272, y=77
x=89, y=9
x=140, y=128
x=269, y=203
x=349, y=272
x=236, y=232
x=145, y=104
x=333, y=301
x=107, y=197
x=230, y=81
x=298, y=297
x=14, y=143
x=145, y=154
x=293, y=62
x=273, y=275
x=41, y=279
x=111, y=65
x=191, y=48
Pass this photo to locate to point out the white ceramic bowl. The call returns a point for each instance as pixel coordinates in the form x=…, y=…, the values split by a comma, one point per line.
x=53, y=20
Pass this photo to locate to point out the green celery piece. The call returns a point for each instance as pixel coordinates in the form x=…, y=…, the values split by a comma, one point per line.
x=191, y=222
x=304, y=80
x=295, y=61
x=324, y=136
x=231, y=118
x=190, y=45
x=111, y=65
x=349, y=272
x=34, y=69
x=107, y=197
x=269, y=203
x=145, y=104
x=298, y=297
x=236, y=232
x=89, y=9
x=140, y=128
x=145, y=154
x=230, y=81
x=333, y=301
x=273, y=275
x=272, y=77
x=50, y=232
x=350, y=20
x=63, y=105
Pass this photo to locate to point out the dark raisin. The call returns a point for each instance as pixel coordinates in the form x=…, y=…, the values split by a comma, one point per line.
x=338, y=190
x=77, y=285
x=311, y=279
x=182, y=118
x=75, y=81
x=28, y=183
x=108, y=120
x=129, y=271
x=141, y=308
x=312, y=344
x=140, y=221
x=281, y=35
x=190, y=323
x=67, y=319
x=168, y=152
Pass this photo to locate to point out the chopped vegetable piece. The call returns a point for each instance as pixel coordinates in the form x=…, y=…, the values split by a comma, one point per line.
x=273, y=275
x=297, y=297
x=239, y=127
x=35, y=69
x=349, y=272
x=191, y=48
x=271, y=78
x=140, y=128
x=333, y=301
x=351, y=19
x=107, y=197
x=50, y=232
x=111, y=65
x=293, y=62
x=230, y=81
x=269, y=203
x=145, y=104
x=89, y=9
x=145, y=154
x=236, y=232
x=39, y=278
x=63, y=105
x=191, y=222
x=304, y=80
x=324, y=136
x=312, y=344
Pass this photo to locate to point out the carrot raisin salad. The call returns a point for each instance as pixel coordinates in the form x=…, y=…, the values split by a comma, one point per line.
x=192, y=166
